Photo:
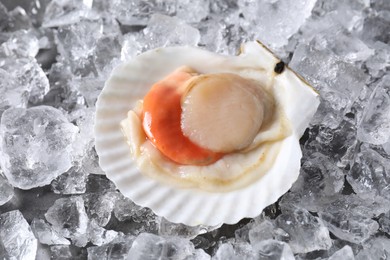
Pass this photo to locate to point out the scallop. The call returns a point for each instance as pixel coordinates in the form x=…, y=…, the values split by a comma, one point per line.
x=203, y=138
x=213, y=110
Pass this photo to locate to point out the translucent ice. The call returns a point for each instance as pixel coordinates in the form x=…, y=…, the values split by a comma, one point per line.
x=375, y=126
x=21, y=44
x=375, y=248
x=344, y=253
x=276, y=21
x=369, y=173
x=16, y=238
x=46, y=234
x=23, y=80
x=350, y=217
x=116, y=249
x=272, y=250
x=89, y=46
x=100, y=206
x=167, y=228
x=384, y=222
x=64, y=12
x=35, y=145
x=338, y=82
x=71, y=182
x=14, y=20
x=148, y=246
x=237, y=252
x=336, y=143
x=340, y=46
x=161, y=31
x=6, y=190
x=125, y=209
x=98, y=235
x=307, y=233
x=375, y=27
x=319, y=178
x=380, y=60
x=192, y=11
x=352, y=228
x=67, y=252
x=84, y=119
x=69, y=219
x=266, y=230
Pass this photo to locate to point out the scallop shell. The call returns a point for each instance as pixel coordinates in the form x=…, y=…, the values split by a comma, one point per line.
x=191, y=206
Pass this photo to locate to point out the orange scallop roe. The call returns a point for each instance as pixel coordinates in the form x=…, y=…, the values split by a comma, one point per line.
x=161, y=120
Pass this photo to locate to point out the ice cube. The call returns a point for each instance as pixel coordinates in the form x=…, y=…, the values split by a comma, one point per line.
x=99, y=206
x=23, y=81
x=15, y=20
x=135, y=12
x=272, y=250
x=375, y=248
x=384, y=222
x=350, y=227
x=167, y=228
x=344, y=253
x=307, y=233
x=375, y=126
x=375, y=27
x=6, y=190
x=192, y=11
x=369, y=173
x=35, y=145
x=65, y=252
x=71, y=182
x=319, y=179
x=69, y=219
x=266, y=230
x=167, y=31
x=338, y=82
x=21, y=44
x=46, y=234
x=16, y=238
x=148, y=246
x=65, y=12
x=276, y=21
x=100, y=236
x=125, y=209
x=380, y=60
x=350, y=217
x=235, y=251
x=116, y=249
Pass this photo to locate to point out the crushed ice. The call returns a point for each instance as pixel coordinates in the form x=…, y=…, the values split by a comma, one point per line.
x=54, y=58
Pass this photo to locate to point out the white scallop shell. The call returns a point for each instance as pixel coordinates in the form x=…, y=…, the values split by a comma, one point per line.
x=190, y=206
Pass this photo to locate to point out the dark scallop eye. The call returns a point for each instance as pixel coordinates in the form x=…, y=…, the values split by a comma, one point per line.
x=279, y=67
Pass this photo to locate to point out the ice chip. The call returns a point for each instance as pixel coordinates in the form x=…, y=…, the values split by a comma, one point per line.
x=23, y=81
x=369, y=173
x=16, y=238
x=69, y=219
x=6, y=190
x=276, y=21
x=272, y=250
x=149, y=246
x=46, y=234
x=73, y=181
x=35, y=145
x=65, y=12
x=167, y=31
x=344, y=253
x=307, y=233
x=375, y=126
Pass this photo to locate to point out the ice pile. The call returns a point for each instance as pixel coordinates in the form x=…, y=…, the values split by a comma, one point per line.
x=54, y=58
